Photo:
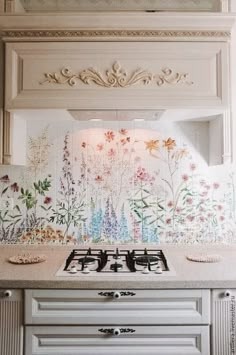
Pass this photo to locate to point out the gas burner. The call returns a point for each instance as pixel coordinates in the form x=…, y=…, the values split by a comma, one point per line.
x=117, y=261
x=146, y=260
x=87, y=260
x=116, y=267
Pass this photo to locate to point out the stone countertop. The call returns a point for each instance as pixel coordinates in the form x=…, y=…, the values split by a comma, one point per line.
x=188, y=274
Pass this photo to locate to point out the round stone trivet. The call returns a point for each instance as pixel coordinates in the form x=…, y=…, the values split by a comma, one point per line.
x=205, y=258
x=27, y=259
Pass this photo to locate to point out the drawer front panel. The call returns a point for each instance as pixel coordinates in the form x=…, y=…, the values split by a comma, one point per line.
x=165, y=340
x=135, y=307
x=128, y=75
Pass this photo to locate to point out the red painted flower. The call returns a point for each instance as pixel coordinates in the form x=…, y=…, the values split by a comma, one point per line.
x=170, y=204
x=98, y=178
x=5, y=179
x=83, y=145
x=47, y=200
x=15, y=187
x=109, y=135
x=168, y=221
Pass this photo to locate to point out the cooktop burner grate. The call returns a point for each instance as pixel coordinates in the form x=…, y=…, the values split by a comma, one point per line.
x=116, y=260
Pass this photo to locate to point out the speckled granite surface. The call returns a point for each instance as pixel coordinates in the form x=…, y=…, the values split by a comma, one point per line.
x=188, y=274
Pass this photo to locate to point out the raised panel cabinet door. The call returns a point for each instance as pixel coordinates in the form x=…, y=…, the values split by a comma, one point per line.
x=132, y=306
x=11, y=322
x=223, y=322
x=117, y=75
x=100, y=340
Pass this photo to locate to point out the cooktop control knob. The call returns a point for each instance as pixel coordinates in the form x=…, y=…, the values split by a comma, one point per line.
x=86, y=270
x=73, y=269
x=158, y=269
x=145, y=270
x=116, y=295
x=116, y=331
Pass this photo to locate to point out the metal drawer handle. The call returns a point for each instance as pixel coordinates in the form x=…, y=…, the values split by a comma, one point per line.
x=117, y=294
x=116, y=331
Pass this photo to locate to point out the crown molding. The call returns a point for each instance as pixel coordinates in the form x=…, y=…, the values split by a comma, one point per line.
x=117, y=26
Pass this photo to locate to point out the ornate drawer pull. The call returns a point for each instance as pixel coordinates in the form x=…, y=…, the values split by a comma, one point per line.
x=117, y=294
x=116, y=331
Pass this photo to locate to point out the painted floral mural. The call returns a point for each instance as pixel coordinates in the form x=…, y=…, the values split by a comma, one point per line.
x=120, y=185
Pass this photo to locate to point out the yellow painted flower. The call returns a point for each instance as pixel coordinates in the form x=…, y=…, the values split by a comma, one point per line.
x=169, y=144
x=152, y=145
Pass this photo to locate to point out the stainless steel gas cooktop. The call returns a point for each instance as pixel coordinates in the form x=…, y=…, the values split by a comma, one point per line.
x=116, y=261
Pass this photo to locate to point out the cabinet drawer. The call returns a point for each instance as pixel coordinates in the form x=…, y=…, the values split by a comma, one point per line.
x=164, y=340
x=118, y=75
x=133, y=307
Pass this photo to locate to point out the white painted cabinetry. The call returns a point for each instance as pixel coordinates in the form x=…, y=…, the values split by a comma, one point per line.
x=11, y=322
x=117, y=75
x=224, y=322
x=89, y=322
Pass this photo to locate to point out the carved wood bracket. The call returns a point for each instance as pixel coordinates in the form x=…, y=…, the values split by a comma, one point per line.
x=116, y=77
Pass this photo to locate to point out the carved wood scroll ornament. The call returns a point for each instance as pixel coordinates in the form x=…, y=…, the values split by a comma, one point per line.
x=116, y=77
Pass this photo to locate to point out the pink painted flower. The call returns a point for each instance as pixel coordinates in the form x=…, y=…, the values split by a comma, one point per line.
x=15, y=187
x=202, y=219
x=216, y=185
x=193, y=167
x=100, y=147
x=137, y=159
x=222, y=218
x=47, y=200
x=185, y=177
x=109, y=136
x=5, y=179
x=207, y=187
x=83, y=145
x=178, y=210
x=126, y=151
x=143, y=175
x=210, y=214
x=190, y=218
x=170, y=204
x=111, y=153
x=168, y=221
x=219, y=207
x=123, y=131
x=204, y=193
x=189, y=201
x=98, y=178
x=125, y=140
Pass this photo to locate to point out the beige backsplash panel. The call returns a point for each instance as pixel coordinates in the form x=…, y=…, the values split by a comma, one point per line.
x=117, y=182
